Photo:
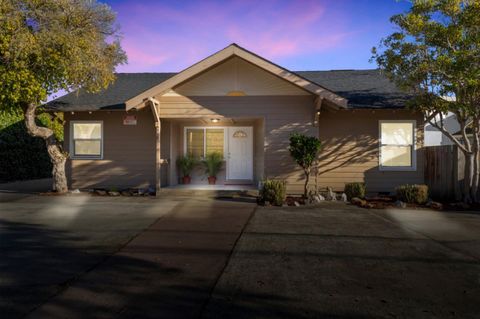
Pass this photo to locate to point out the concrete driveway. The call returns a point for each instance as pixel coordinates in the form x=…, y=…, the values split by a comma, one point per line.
x=340, y=261
x=102, y=257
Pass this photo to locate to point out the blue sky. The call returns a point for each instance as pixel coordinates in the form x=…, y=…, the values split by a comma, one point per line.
x=161, y=36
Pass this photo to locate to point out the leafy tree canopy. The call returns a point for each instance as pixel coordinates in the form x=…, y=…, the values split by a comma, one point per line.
x=50, y=45
x=436, y=54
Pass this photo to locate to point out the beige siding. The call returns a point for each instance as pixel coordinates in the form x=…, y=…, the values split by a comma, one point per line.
x=351, y=150
x=236, y=74
x=129, y=152
x=350, y=140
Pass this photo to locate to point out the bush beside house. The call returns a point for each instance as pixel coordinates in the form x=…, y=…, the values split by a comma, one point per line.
x=22, y=156
x=273, y=192
x=413, y=194
x=353, y=190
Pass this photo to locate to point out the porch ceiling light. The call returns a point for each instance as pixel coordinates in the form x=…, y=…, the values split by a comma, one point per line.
x=236, y=93
x=215, y=120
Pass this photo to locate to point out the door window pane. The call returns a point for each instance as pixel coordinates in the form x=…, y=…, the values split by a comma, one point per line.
x=195, y=142
x=214, y=141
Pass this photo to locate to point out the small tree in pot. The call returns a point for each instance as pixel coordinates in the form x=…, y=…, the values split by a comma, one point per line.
x=213, y=163
x=186, y=164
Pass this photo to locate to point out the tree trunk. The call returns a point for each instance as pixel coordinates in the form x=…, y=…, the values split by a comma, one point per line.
x=476, y=162
x=57, y=157
x=468, y=178
x=305, y=187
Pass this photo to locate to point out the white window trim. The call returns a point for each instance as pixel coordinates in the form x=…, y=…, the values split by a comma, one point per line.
x=71, y=142
x=414, y=147
x=224, y=128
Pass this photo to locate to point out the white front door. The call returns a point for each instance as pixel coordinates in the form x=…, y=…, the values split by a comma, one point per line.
x=240, y=153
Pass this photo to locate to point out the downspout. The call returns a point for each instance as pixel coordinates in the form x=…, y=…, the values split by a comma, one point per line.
x=158, y=136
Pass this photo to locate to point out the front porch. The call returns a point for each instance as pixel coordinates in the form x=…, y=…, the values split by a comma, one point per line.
x=240, y=141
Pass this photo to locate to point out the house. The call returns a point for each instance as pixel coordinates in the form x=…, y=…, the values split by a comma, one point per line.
x=245, y=107
x=434, y=137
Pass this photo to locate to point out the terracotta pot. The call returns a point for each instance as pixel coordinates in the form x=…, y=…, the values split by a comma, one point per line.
x=187, y=179
x=212, y=180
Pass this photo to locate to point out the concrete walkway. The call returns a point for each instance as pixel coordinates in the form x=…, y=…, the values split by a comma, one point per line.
x=167, y=271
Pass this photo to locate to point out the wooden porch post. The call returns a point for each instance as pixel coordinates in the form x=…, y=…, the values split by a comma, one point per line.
x=158, y=137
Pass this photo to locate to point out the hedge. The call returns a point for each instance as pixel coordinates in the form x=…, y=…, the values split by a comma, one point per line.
x=21, y=155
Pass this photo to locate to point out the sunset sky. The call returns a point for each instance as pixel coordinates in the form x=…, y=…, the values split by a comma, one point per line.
x=163, y=36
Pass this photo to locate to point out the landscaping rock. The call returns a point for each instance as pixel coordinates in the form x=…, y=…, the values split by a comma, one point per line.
x=400, y=204
x=344, y=198
x=318, y=198
x=113, y=193
x=75, y=191
x=125, y=193
x=100, y=192
x=296, y=203
x=331, y=195
x=436, y=205
x=460, y=205
x=358, y=201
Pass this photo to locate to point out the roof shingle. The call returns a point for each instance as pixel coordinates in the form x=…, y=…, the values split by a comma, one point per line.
x=362, y=89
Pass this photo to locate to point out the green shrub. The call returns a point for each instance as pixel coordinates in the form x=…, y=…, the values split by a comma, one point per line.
x=213, y=163
x=21, y=155
x=186, y=164
x=415, y=194
x=355, y=190
x=273, y=191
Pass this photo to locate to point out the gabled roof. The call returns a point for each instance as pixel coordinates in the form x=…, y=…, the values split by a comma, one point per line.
x=362, y=89
x=223, y=55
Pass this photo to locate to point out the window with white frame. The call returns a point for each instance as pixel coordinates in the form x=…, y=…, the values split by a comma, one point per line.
x=200, y=141
x=397, y=145
x=86, y=139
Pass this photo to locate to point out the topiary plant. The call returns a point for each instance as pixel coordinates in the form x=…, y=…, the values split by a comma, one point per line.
x=304, y=150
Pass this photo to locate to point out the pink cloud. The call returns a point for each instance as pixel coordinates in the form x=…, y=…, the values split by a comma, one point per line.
x=169, y=37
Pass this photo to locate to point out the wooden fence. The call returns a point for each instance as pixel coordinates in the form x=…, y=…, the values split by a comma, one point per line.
x=444, y=171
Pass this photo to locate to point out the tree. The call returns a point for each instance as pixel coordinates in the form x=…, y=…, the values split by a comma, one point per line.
x=52, y=45
x=436, y=55
x=304, y=150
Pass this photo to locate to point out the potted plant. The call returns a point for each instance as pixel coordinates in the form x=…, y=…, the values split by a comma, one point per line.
x=213, y=163
x=186, y=164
